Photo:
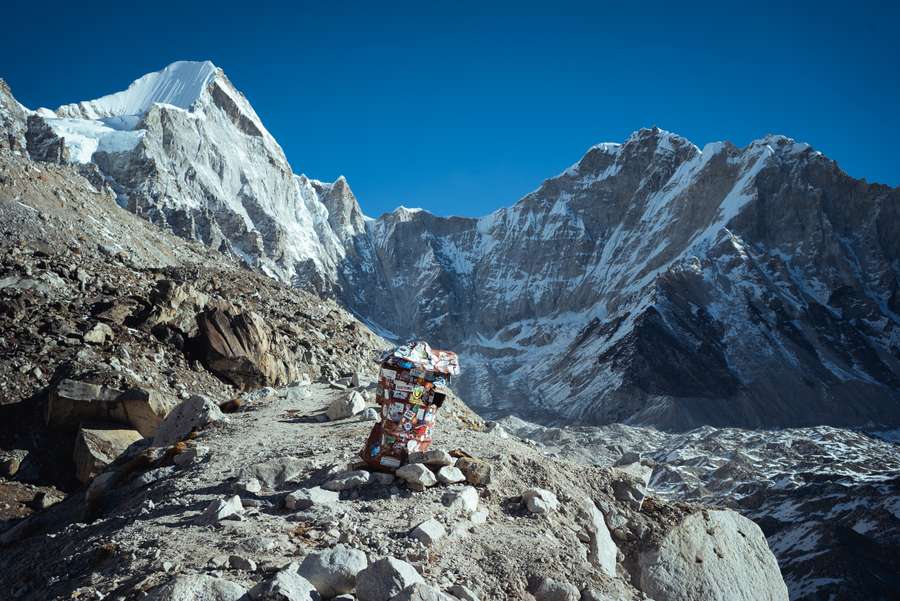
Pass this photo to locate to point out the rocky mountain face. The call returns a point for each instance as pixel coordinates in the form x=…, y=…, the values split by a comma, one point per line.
x=656, y=283
x=184, y=149
x=828, y=499
x=651, y=283
x=175, y=427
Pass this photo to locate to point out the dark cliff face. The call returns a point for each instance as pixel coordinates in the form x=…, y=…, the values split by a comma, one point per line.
x=655, y=283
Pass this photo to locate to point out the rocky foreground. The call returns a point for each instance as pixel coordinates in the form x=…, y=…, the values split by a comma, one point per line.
x=262, y=500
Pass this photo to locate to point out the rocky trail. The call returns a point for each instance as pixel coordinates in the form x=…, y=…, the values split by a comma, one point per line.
x=520, y=522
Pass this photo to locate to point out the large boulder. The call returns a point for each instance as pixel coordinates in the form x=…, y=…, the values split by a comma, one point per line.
x=198, y=587
x=274, y=474
x=344, y=407
x=242, y=350
x=547, y=589
x=145, y=409
x=286, y=585
x=333, y=571
x=712, y=556
x=193, y=414
x=98, y=446
x=72, y=401
x=385, y=578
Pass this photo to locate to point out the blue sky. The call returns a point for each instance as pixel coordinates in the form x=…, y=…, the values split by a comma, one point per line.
x=462, y=111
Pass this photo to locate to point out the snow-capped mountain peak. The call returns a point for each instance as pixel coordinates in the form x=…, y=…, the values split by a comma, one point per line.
x=180, y=84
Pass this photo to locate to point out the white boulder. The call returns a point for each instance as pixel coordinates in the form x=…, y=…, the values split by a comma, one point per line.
x=450, y=475
x=333, y=571
x=286, y=585
x=428, y=532
x=191, y=587
x=709, y=556
x=540, y=501
x=416, y=476
x=223, y=509
x=385, y=578
x=346, y=406
x=193, y=414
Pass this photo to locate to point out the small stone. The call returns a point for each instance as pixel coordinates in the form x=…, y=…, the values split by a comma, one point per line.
x=99, y=334
x=385, y=578
x=438, y=457
x=191, y=455
x=370, y=414
x=540, y=501
x=334, y=571
x=429, y=532
x=250, y=486
x=479, y=517
x=223, y=509
x=477, y=472
x=305, y=498
x=348, y=480
x=450, y=475
x=463, y=593
x=464, y=499
x=238, y=562
x=416, y=476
